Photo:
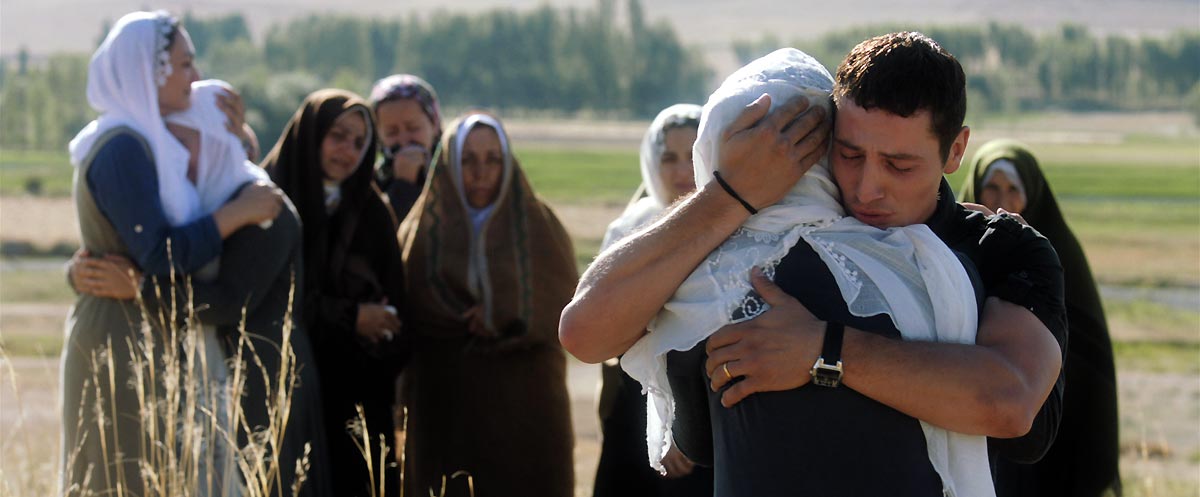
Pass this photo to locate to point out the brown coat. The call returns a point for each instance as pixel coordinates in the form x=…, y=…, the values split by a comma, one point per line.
x=496, y=408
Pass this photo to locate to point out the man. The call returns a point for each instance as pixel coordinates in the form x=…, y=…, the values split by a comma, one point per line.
x=901, y=100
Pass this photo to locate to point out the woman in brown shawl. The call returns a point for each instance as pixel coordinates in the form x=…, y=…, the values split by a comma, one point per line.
x=489, y=270
x=352, y=273
x=1084, y=460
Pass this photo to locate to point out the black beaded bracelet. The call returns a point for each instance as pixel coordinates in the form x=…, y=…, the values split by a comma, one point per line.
x=729, y=190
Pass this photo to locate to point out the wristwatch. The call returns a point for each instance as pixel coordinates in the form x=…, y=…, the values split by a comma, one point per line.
x=827, y=372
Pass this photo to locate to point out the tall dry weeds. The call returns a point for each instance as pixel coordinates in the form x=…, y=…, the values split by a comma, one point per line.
x=195, y=438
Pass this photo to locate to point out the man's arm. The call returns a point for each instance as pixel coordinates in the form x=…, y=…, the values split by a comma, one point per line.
x=993, y=388
x=630, y=282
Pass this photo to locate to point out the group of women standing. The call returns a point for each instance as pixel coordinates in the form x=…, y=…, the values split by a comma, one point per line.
x=312, y=272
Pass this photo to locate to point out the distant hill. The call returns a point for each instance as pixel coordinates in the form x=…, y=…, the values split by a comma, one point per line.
x=46, y=26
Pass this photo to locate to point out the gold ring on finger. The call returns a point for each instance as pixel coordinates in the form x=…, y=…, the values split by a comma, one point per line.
x=725, y=368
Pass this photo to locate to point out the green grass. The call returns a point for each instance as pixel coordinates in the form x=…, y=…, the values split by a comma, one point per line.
x=1158, y=357
x=44, y=345
x=25, y=285
x=1140, y=167
x=1155, y=316
x=582, y=176
x=585, y=251
x=20, y=168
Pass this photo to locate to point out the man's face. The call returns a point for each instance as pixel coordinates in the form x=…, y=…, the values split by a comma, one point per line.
x=889, y=168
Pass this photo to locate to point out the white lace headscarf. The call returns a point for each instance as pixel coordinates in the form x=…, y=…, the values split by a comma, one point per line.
x=642, y=209
x=123, y=81
x=222, y=167
x=901, y=272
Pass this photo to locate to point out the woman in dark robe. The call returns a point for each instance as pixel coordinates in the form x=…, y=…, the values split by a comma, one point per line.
x=353, y=277
x=489, y=269
x=1084, y=458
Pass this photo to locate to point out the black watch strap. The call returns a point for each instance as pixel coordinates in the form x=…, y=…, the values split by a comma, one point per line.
x=831, y=349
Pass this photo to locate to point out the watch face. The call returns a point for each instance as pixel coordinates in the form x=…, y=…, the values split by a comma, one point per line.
x=826, y=375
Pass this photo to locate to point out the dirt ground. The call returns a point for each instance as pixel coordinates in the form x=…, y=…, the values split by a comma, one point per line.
x=1159, y=412
x=1160, y=443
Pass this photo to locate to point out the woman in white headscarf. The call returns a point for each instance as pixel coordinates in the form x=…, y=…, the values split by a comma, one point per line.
x=895, y=275
x=135, y=199
x=248, y=288
x=667, y=176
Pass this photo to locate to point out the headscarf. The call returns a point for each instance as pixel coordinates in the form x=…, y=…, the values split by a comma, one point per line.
x=479, y=215
x=901, y=272
x=407, y=87
x=518, y=264
x=295, y=165
x=1009, y=170
x=123, y=80
x=222, y=167
x=1042, y=212
x=642, y=209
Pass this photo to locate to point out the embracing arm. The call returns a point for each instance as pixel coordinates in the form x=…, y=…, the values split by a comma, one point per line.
x=639, y=274
x=124, y=184
x=252, y=261
x=995, y=387
x=762, y=156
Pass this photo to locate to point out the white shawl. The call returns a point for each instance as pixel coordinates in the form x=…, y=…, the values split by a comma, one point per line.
x=642, y=209
x=222, y=167
x=906, y=273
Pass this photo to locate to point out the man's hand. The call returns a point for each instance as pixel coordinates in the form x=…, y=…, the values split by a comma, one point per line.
x=763, y=154
x=772, y=352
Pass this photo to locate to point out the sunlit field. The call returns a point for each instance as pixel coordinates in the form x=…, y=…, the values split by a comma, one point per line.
x=1132, y=196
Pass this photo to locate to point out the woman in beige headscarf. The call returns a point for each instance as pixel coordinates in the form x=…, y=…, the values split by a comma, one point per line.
x=489, y=268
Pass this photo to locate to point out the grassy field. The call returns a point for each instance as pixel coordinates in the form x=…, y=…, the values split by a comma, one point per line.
x=1134, y=204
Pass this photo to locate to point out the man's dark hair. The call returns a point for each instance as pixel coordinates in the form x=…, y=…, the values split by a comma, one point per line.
x=903, y=73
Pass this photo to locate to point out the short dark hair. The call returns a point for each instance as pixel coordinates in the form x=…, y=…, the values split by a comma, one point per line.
x=903, y=73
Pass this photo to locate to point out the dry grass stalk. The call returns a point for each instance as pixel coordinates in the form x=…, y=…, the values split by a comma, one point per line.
x=190, y=425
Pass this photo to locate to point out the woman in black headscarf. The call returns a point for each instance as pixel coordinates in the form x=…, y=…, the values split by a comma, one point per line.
x=353, y=277
x=1084, y=458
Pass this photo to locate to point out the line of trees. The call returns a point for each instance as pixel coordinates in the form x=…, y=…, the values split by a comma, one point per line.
x=1011, y=69
x=570, y=62
x=591, y=62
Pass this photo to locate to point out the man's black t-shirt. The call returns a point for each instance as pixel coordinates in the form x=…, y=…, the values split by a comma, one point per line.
x=820, y=441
